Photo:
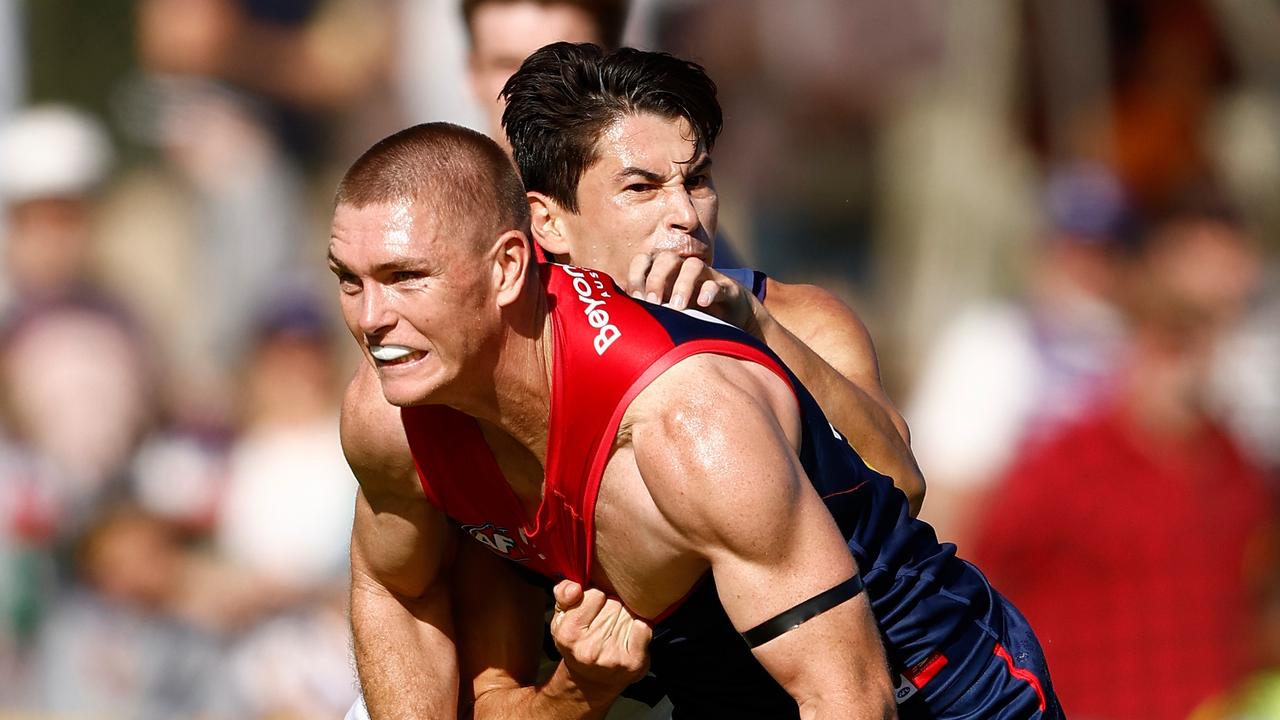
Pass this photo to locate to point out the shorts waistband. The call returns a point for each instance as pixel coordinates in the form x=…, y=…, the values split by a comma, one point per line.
x=942, y=667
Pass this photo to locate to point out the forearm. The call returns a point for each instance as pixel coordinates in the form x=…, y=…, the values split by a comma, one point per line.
x=867, y=424
x=849, y=710
x=405, y=658
x=864, y=692
x=559, y=698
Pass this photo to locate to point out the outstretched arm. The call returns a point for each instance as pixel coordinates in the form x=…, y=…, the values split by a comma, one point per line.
x=721, y=466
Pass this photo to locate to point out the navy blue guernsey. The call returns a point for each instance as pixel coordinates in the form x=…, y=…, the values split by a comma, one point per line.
x=920, y=593
x=753, y=280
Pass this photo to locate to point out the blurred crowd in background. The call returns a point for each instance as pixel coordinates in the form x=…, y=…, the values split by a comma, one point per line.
x=1060, y=220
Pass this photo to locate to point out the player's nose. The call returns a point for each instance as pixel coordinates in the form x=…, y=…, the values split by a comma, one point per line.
x=376, y=316
x=682, y=215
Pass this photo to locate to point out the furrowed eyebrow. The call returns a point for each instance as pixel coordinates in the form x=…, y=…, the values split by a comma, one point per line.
x=335, y=262
x=406, y=265
x=630, y=171
x=382, y=268
x=703, y=165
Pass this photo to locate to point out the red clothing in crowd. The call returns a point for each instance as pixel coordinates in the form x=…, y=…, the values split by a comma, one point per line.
x=1128, y=556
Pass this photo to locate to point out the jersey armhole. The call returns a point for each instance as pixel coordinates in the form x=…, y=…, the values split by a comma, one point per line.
x=728, y=348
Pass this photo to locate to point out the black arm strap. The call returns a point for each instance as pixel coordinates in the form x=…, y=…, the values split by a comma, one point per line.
x=789, y=620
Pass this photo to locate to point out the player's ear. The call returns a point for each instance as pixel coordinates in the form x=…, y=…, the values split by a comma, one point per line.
x=511, y=266
x=546, y=217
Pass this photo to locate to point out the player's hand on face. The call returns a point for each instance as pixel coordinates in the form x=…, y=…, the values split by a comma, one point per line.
x=604, y=646
x=678, y=283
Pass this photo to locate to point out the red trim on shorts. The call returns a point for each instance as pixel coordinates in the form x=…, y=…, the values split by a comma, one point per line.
x=925, y=671
x=1021, y=673
x=855, y=488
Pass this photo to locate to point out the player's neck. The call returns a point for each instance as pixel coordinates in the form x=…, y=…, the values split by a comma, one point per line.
x=518, y=400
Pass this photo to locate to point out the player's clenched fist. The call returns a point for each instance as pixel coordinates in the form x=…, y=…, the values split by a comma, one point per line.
x=680, y=282
x=603, y=645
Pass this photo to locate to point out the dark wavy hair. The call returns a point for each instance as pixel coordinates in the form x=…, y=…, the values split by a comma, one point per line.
x=566, y=95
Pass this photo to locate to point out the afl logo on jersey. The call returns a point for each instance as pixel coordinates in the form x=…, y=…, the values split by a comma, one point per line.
x=496, y=539
x=586, y=283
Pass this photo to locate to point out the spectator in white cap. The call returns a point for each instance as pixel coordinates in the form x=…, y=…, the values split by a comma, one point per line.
x=52, y=160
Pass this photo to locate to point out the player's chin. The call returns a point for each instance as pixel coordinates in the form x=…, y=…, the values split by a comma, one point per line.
x=403, y=394
x=404, y=385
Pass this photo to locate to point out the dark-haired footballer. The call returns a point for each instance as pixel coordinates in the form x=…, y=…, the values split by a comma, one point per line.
x=615, y=150
x=518, y=419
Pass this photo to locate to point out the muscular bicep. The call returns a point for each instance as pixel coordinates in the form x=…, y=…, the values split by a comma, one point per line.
x=401, y=543
x=721, y=465
x=722, y=468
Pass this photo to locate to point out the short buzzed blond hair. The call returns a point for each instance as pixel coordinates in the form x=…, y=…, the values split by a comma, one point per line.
x=460, y=172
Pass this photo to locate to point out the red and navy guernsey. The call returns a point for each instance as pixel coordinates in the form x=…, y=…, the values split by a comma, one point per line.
x=607, y=348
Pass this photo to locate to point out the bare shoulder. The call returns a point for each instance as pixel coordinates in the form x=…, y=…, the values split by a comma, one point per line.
x=826, y=324
x=708, y=387
x=705, y=433
x=400, y=540
x=373, y=437
x=807, y=310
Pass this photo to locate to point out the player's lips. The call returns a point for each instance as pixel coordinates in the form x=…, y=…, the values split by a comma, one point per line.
x=687, y=246
x=394, y=354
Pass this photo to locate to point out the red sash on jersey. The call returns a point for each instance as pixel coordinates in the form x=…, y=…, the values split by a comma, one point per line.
x=606, y=348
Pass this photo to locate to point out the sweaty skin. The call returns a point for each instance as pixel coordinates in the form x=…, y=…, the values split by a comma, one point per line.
x=686, y=470
x=647, y=215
